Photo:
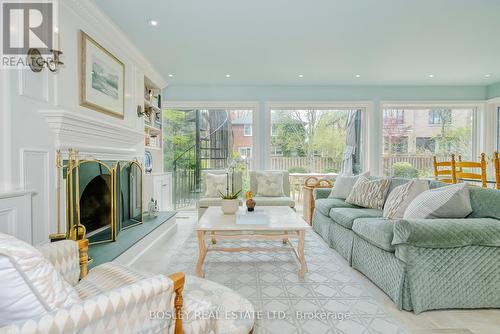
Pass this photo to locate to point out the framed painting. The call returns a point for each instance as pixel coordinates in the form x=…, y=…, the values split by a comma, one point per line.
x=102, y=78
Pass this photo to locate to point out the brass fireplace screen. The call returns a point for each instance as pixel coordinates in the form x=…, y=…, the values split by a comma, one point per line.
x=102, y=197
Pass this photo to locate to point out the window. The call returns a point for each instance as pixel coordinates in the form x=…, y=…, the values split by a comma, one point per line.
x=276, y=151
x=409, y=147
x=247, y=130
x=439, y=116
x=498, y=128
x=396, y=116
x=246, y=152
x=309, y=140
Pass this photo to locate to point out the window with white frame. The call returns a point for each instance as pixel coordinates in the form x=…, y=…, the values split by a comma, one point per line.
x=246, y=152
x=313, y=140
x=247, y=130
x=409, y=146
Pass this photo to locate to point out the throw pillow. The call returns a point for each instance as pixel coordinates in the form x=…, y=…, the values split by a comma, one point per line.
x=343, y=185
x=369, y=194
x=30, y=285
x=445, y=202
x=270, y=184
x=215, y=184
x=401, y=196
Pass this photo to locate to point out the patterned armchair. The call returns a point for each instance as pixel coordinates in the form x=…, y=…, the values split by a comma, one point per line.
x=117, y=299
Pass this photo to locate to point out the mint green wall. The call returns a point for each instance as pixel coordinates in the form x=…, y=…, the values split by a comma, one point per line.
x=373, y=94
x=493, y=91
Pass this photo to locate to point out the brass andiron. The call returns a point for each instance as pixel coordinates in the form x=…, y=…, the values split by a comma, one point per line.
x=78, y=230
x=58, y=235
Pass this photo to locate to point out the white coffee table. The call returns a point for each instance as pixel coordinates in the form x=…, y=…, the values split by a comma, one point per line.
x=265, y=223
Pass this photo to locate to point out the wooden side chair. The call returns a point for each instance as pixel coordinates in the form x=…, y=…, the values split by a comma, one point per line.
x=460, y=174
x=443, y=170
x=496, y=161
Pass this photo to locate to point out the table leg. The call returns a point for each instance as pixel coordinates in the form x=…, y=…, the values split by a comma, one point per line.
x=202, y=251
x=300, y=251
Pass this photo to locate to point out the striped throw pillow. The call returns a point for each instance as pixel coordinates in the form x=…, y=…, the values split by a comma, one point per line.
x=445, y=202
x=369, y=194
x=400, y=197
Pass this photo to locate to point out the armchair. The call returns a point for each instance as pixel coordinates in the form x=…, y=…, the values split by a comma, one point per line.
x=117, y=299
x=205, y=201
x=285, y=200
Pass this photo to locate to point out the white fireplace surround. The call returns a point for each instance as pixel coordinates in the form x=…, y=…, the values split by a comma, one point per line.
x=93, y=137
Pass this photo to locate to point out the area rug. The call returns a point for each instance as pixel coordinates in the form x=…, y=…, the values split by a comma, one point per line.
x=331, y=299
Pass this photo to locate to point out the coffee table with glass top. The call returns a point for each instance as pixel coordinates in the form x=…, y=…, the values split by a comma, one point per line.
x=265, y=223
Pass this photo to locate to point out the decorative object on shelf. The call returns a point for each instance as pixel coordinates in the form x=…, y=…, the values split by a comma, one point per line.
x=36, y=62
x=153, y=209
x=148, y=162
x=102, y=79
x=157, y=120
x=140, y=112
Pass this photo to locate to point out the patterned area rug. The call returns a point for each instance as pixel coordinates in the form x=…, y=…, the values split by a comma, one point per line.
x=330, y=299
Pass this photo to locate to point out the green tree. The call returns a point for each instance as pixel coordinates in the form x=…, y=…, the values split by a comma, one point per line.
x=178, y=136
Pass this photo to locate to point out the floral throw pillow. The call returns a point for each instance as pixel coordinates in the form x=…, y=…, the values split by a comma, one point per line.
x=269, y=184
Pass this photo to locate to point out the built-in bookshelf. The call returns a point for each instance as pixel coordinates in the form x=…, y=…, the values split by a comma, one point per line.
x=153, y=134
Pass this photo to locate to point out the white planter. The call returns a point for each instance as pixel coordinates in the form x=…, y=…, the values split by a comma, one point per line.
x=230, y=206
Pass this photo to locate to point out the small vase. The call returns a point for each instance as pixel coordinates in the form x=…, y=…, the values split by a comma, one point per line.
x=230, y=206
x=250, y=204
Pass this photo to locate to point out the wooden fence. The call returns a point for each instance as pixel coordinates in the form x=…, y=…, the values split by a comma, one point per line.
x=319, y=164
x=316, y=164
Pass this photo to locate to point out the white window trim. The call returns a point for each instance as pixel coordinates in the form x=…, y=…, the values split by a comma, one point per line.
x=366, y=118
x=480, y=124
x=251, y=130
x=248, y=105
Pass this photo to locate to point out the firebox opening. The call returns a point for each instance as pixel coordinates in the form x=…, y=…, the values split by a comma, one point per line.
x=95, y=205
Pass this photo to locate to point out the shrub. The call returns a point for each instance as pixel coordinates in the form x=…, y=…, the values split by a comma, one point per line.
x=297, y=170
x=331, y=170
x=404, y=169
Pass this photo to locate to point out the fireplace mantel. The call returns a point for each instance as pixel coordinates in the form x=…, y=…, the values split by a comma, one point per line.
x=97, y=138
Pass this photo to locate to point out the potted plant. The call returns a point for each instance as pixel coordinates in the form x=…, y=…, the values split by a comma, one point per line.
x=230, y=202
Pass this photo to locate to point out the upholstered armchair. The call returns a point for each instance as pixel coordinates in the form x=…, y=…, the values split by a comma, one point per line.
x=111, y=298
x=207, y=200
x=262, y=199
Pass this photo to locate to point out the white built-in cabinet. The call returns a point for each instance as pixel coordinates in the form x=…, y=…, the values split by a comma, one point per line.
x=159, y=187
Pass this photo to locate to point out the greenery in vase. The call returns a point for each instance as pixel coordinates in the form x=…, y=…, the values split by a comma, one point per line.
x=229, y=195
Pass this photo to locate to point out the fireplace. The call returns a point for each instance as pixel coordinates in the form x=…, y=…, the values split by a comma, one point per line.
x=103, y=197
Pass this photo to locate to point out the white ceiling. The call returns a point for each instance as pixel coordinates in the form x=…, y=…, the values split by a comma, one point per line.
x=272, y=42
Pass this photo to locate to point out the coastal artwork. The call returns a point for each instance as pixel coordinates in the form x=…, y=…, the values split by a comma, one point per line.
x=102, y=79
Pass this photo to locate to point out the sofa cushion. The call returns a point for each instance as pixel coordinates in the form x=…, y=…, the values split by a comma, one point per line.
x=324, y=205
x=484, y=203
x=29, y=285
x=377, y=231
x=346, y=216
x=369, y=193
x=270, y=184
x=274, y=201
x=343, y=185
x=445, y=202
x=215, y=184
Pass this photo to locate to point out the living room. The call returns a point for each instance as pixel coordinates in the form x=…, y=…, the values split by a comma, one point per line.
x=261, y=166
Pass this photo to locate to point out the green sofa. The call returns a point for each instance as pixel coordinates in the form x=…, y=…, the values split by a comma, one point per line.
x=421, y=264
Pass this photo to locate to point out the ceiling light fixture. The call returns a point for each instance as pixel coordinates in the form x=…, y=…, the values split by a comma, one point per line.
x=358, y=75
x=153, y=23
x=170, y=75
x=228, y=75
x=301, y=75
x=431, y=75
x=487, y=75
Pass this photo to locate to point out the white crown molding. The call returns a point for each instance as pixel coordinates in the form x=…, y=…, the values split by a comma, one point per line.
x=93, y=137
x=88, y=11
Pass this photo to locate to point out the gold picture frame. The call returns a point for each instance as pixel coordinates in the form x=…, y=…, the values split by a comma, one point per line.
x=102, y=78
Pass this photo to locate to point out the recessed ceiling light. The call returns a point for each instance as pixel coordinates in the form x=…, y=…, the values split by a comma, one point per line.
x=228, y=75
x=301, y=75
x=170, y=75
x=153, y=23
x=358, y=75
x=431, y=75
x=487, y=75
